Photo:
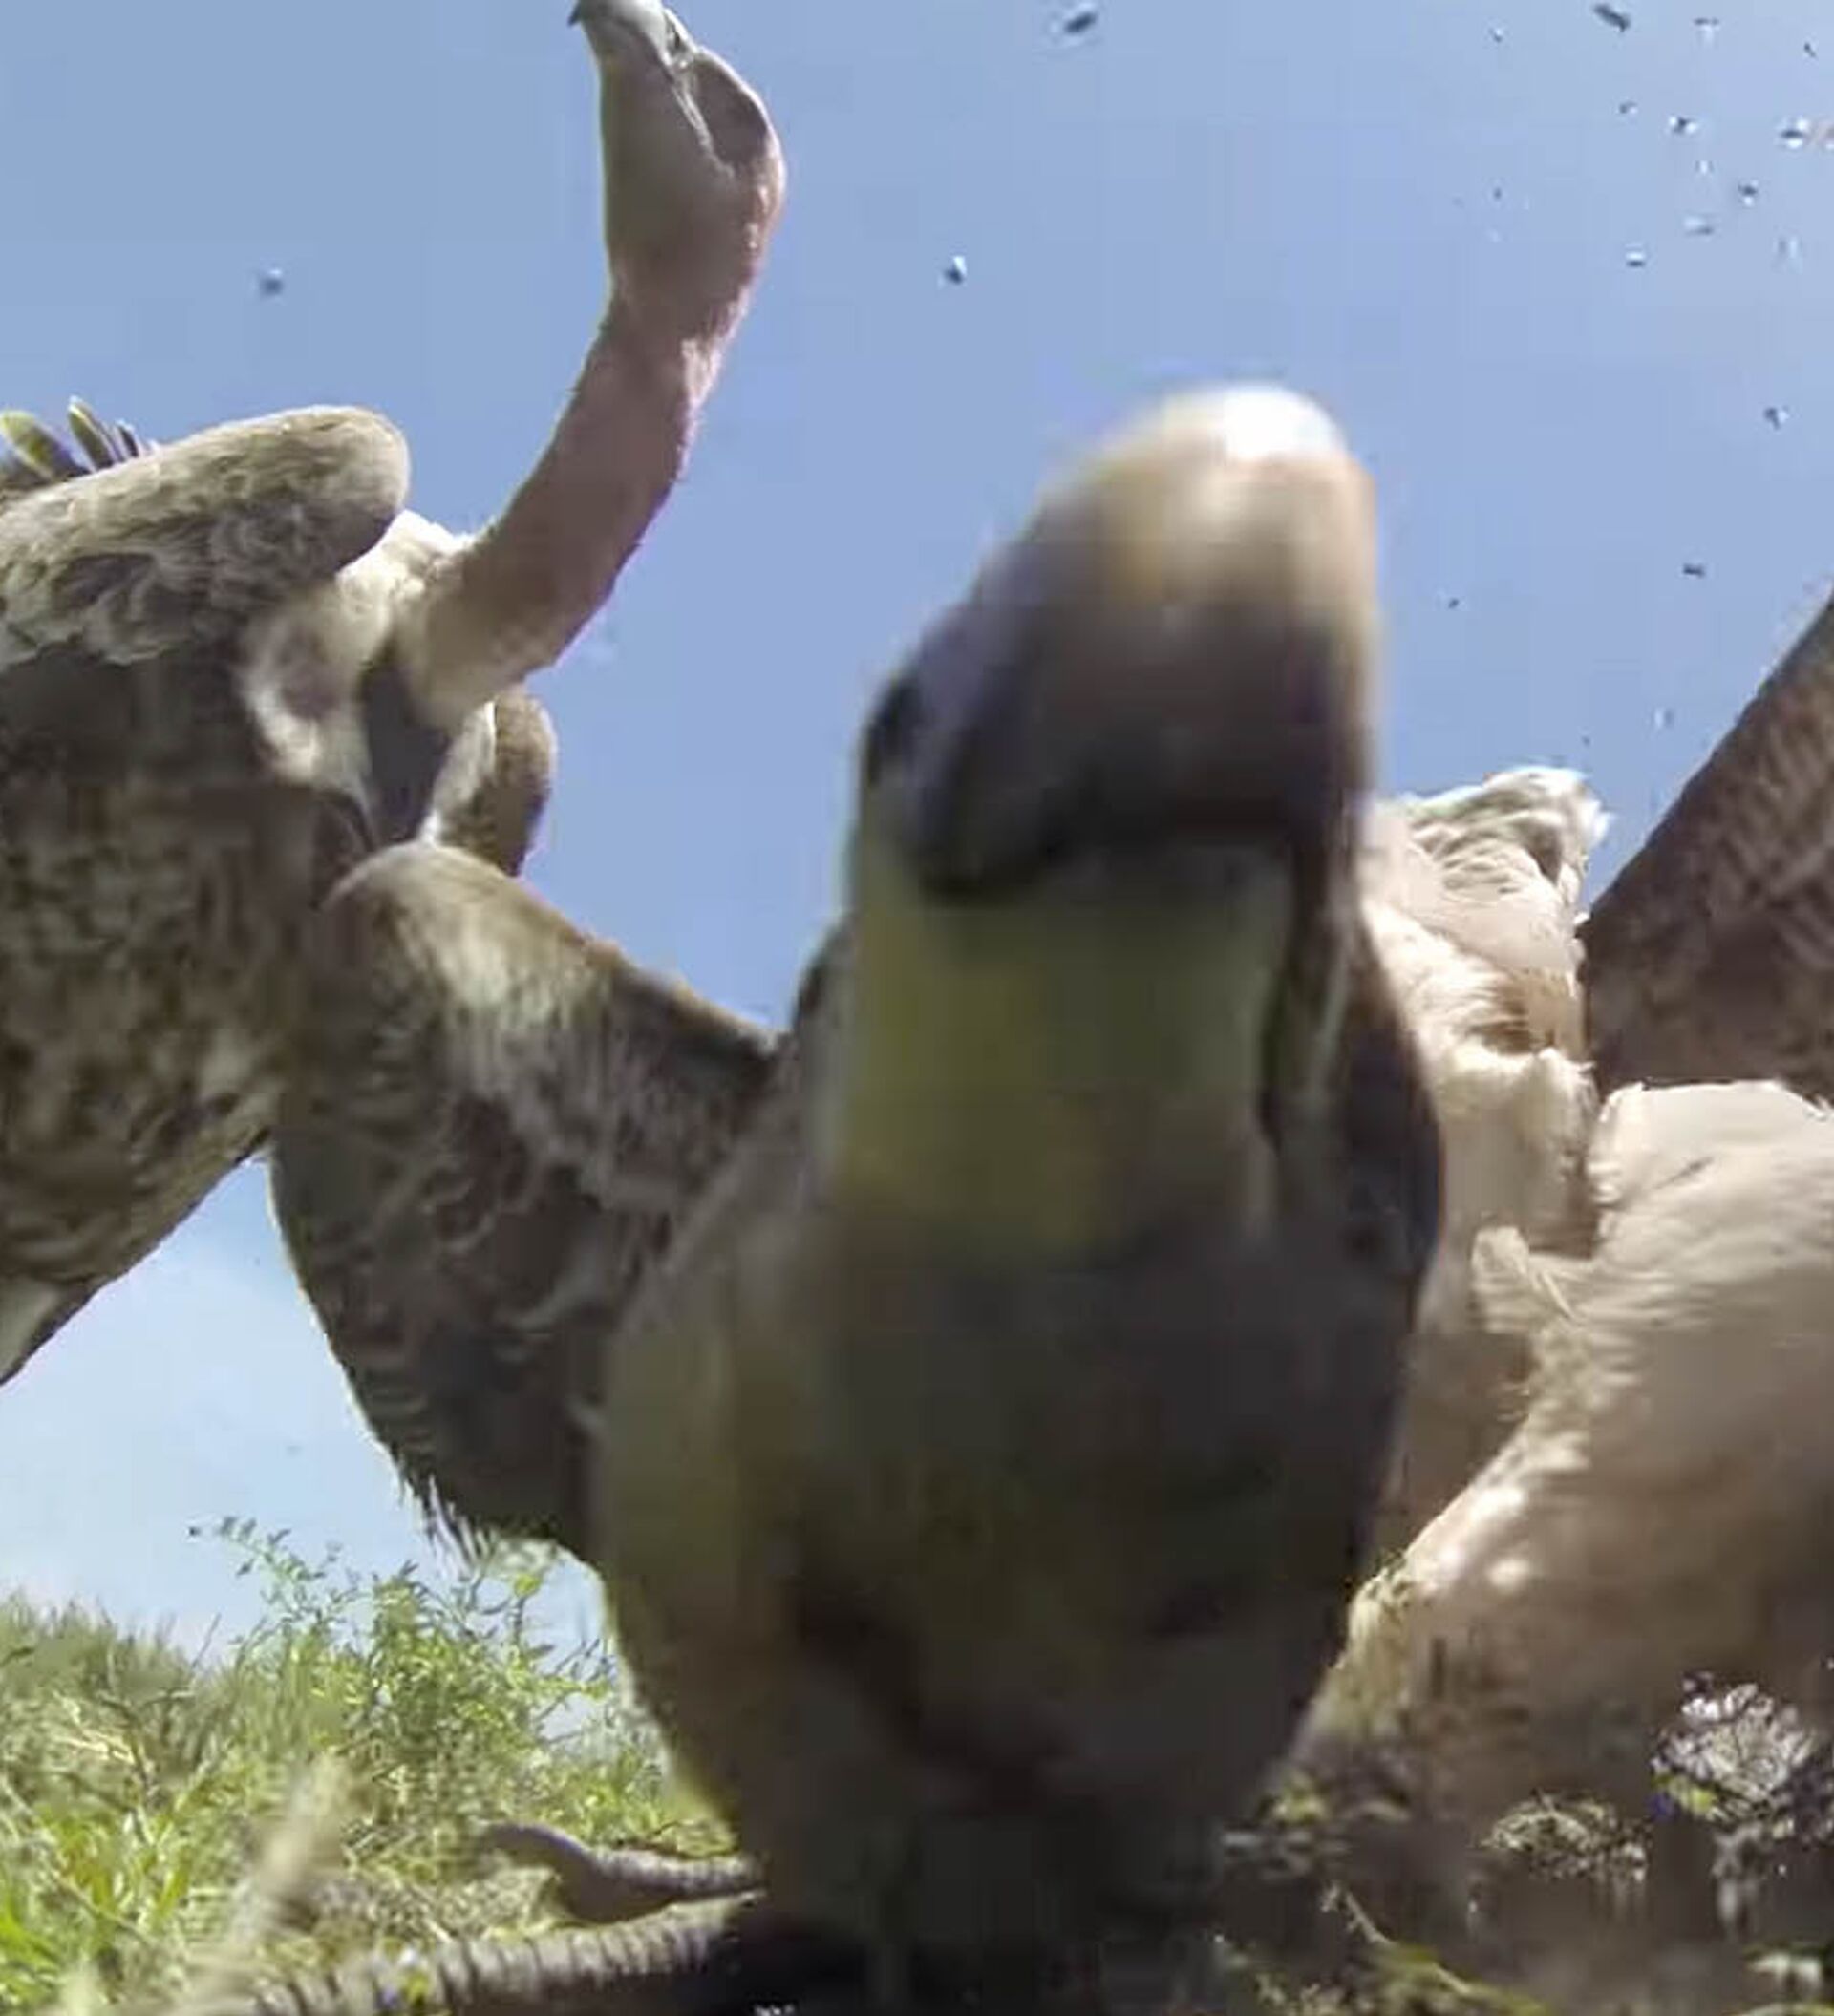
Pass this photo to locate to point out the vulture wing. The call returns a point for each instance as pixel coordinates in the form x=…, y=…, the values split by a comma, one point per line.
x=146, y=551
x=492, y=809
x=491, y=1123
x=1711, y=956
x=231, y=667
x=132, y=821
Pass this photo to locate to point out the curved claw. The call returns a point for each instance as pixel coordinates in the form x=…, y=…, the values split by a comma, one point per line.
x=606, y=1886
x=724, y=1959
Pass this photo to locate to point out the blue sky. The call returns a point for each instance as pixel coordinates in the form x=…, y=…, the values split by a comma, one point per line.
x=1419, y=213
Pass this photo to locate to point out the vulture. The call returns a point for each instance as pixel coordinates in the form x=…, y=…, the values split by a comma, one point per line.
x=489, y=1127
x=1650, y=1469
x=233, y=667
x=984, y=1389
x=982, y=1474
x=1632, y=1139
x=1610, y=1474
x=492, y=1125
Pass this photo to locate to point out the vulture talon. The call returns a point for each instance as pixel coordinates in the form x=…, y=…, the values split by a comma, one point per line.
x=721, y=1959
x=606, y=1886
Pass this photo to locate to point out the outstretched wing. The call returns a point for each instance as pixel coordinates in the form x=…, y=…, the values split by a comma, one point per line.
x=138, y=935
x=146, y=551
x=32, y=456
x=1712, y=955
x=491, y=1126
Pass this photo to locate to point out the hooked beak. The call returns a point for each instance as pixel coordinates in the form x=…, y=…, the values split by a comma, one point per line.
x=1178, y=646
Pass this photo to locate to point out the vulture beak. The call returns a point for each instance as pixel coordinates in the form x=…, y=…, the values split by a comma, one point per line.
x=642, y=27
x=694, y=180
x=693, y=171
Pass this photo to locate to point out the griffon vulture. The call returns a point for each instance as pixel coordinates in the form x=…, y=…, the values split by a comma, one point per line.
x=982, y=1474
x=492, y=1124
x=232, y=666
x=1629, y=1293
x=1657, y=1501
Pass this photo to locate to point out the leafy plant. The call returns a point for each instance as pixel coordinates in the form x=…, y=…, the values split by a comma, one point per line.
x=141, y=1786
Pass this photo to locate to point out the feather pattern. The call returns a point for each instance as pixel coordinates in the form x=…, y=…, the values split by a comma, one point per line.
x=492, y=1125
x=184, y=545
x=234, y=666
x=1471, y=898
x=183, y=777
x=152, y=871
x=1649, y=1497
x=1711, y=956
x=32, y=456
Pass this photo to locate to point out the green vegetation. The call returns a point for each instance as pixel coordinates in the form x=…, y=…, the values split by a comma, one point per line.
x=141, y=1787
x=313, y=1793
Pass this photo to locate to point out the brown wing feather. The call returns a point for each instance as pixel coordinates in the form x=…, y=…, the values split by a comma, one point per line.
x=184, y=545
x=152, y=871
x=206, y=713
x=32, y=456
x=1712, y=955
x=497, y=817
x=491, y=1126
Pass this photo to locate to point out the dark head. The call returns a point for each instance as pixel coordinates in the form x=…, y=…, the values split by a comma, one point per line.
x=1102, y=863
x=1179, y=645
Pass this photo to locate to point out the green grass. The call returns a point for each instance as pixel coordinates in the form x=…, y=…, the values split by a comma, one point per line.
x=139, y=1786
x=171, y=1823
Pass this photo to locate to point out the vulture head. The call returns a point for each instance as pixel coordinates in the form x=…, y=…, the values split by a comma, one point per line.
x=690, y=160
x=1104, y=832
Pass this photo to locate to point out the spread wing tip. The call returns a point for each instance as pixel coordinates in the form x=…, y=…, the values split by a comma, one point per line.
x=32, y=457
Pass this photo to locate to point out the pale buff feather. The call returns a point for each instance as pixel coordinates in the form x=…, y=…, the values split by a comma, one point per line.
x=1472, y=897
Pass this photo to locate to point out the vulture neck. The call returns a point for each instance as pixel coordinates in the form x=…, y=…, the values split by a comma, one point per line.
x=510, y=600
x=1062, y=1069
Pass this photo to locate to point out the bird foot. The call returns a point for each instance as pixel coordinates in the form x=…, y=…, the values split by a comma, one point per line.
x=605, y=1886
x=724, y=1958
